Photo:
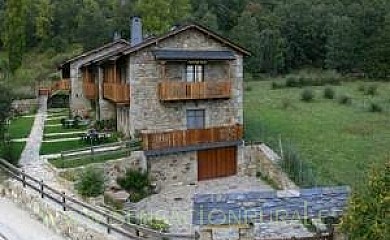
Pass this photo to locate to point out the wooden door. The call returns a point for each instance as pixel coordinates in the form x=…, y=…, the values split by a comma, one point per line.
x=216, y=163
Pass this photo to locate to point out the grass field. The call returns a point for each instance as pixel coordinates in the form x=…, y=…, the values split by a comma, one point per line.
x=21, y=127
x=88, y=159
x=15, y=151
x=339, y=142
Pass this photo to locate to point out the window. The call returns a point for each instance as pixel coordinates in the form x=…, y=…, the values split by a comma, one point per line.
x=194, y=73
x=196, y=119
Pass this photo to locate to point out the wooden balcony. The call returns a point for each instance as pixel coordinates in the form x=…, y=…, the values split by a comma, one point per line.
x=191, y=137
x=90, y=90
x=63, y=84
x=117, y=93
x=178, y=91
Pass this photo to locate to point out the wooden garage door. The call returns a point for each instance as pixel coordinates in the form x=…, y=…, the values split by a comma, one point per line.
x=215, y=163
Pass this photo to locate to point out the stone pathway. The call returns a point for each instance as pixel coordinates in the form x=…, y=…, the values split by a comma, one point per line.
x=36, y=166
x=174, y=203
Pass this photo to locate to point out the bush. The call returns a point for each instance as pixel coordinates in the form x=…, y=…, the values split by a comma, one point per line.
x=248, y=88
x=375, y=107
x=134, y=180
x=307, y=95
x=371, y=90
x=362, y=88
x=346, y=100
x=329, y=93
x=276, y=85
x=90, y=183
x=292, y=82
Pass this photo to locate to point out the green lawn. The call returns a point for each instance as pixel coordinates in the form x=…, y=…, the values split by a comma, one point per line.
x=84, y=160
x=339, y=142
x=60, y=129
x=58, y=147
x=73, y=135
x=15, y=151
x=21, y=127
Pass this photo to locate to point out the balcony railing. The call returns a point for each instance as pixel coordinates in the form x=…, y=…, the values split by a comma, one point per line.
x=191, y=137
x=177, y=91
x=90, y=90
x=63, y=84
x=116, y=92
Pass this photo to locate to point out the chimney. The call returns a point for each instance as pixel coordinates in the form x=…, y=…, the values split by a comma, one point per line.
x=136, y=31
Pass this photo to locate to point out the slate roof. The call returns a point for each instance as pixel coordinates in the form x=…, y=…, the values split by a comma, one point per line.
x=256, y=207
x=165, y=54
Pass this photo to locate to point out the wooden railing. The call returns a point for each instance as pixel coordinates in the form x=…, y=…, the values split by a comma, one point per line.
x=112, y=223
x=176, y=91
x=63, y=84
x=183, y=138
x=116, y=92
x=90, y=90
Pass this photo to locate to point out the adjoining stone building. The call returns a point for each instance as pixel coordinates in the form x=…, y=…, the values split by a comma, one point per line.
x=181, y=93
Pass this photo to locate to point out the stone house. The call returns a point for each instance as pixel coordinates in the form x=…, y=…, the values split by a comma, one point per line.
x=181, y=93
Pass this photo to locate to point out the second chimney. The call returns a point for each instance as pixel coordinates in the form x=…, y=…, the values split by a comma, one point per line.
x=136, y=31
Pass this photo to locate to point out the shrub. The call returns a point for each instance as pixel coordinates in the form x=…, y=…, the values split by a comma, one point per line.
x=292, y=82
x=371, y=90
x=346, y=100
x=276, y=85
x=157, y=224
x=362, y=88
x=134, y=180
x=329, y=93
x=375, y=107
x=248, y=88
x=307, y=95
x=90, y=183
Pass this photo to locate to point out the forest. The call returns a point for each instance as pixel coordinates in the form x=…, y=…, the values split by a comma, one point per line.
x=349, y=36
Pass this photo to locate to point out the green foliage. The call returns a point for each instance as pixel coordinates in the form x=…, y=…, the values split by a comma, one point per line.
x=367, y=214
x=90, y=183
x=14, y=34
x=345, y=100
x=307, y=95
x=329, y=93
x=134, y=180
x=159, y=15
x=371, y=90
x=136, y=183
x=375, y=107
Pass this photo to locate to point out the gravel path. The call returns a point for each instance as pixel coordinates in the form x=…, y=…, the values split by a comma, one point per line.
x=16, y=224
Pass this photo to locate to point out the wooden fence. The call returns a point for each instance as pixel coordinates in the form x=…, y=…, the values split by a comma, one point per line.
x=319, y=237
x=104, y=218
x=173, y=91
x=183, y=138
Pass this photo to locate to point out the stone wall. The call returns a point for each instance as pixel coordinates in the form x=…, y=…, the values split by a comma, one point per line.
x=24, y=106
x=269, y=169
x=148, y=113
x=52, y=215
x=178, y=168
x=78, y=103
x=112, y=169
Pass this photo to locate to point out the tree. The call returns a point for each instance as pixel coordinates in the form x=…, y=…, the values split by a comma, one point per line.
x=14, y=35
x=158, y=16
x=5, y=109
x=368, y=216
x=271, y=51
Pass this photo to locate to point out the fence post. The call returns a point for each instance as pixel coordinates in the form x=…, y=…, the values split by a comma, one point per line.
x=41, y=187
x=63, y=201
x=23, y=178
x=108, y=225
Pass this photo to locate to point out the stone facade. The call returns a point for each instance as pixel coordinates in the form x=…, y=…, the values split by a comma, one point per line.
x=178, y=168
x=78, y=103
x=148, y=113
